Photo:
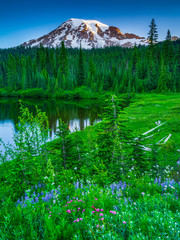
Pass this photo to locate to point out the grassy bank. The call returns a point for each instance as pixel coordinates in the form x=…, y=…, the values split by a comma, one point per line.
x=77, y=93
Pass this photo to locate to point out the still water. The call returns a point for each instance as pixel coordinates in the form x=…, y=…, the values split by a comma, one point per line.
x=80, y=113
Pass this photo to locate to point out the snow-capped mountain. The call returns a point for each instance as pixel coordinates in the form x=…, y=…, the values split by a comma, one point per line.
x=87, y=33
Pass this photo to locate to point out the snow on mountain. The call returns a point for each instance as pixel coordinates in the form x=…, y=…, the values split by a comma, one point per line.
x=87, y=33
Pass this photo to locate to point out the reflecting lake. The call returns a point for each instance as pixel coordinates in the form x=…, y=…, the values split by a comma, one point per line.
x=80, y=113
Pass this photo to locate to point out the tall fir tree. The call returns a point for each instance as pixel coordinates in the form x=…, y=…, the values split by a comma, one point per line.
x=63, y=60
x=11, y=72
x=113, y=137
x=153, y=33
x=162, y=84
x=139, y=158
x=63, y=70
x=168, y=36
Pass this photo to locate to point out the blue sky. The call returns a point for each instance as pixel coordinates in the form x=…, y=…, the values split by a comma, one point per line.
x=21, y=21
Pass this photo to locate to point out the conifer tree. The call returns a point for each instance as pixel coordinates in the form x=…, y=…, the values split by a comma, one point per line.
x=113, y=136
x=24, y=77
x=168, y=37
x=151, y=74
x=162, y=84
x=11, y=73
x=138, y=156
x=153, y=33
x=80, y=77
x=63, y=69
x=63, y=133
x=63, y=60
x=2, y=82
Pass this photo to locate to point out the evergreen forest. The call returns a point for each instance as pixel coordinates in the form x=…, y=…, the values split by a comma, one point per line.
x=51, y=72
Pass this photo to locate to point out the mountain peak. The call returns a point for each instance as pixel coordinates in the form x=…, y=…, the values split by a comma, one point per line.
x=88, y=33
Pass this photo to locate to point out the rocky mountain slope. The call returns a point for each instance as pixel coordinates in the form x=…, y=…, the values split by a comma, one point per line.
x=89, y=33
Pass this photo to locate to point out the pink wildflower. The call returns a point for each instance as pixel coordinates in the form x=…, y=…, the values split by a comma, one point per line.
x=143, y=193
x=101, y=214
x=102, y=210
x=97, y=226
x=81, y=219
x=113, y=212
x=124, y=222
x=97, y=210
x=93, y=211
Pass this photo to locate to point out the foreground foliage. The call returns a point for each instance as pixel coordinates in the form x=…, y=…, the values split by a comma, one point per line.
x=93, y=212
x=99, y=183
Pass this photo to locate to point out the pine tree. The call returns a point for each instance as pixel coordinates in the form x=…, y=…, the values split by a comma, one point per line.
x=113, y=137
x=153, y=33
x=80, y=77
x=168, y=37
x=63, y=69
x=11, y=72
x=63, y=60
x=162, y=84
x=2, y=82
x=151, y=74
x=63, y=133
x=138, y=156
